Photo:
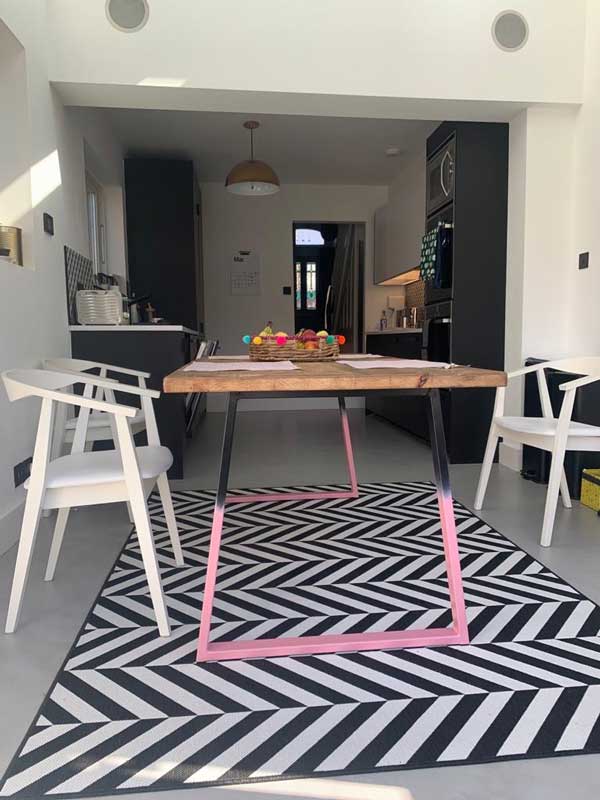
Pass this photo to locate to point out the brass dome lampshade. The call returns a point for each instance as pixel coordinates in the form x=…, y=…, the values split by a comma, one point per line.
x=252, y=177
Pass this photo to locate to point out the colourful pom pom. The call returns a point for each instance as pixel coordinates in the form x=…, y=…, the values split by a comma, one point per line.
x=331, y=340
x=246, y=339
x=257, y=340
x=281, y=340
x=341, y=340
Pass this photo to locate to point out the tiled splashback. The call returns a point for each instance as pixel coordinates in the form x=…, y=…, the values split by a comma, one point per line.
x=415, y=294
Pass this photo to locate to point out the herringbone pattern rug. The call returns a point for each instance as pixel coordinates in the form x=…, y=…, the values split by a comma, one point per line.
x=132, y=712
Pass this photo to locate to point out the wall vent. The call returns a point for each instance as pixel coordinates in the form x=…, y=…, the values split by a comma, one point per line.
x=510, y=30
x=127, y=15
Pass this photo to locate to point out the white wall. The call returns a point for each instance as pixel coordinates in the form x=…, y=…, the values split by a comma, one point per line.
x=380, y=48
x=33, y=323
x=540, y=268
x=584, y=318
x=264, y=224
x=15, y=184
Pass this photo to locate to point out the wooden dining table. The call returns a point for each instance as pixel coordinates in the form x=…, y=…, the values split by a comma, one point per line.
x=332, y=379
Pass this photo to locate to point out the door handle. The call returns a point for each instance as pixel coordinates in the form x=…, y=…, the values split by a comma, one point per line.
x=447, y=156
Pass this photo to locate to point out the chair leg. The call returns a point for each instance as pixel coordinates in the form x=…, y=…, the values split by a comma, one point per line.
x=556, y=473
x=129, y=512
x=564, y=491
x=29, y=527
x=486, y=467
x=167, y=503
x=57, y=540
x=144, y=534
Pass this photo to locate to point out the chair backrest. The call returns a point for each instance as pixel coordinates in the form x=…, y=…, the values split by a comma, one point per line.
x=579, y=365
x=69, y=364
x=21, y=383
x=207, y=348
x=50, y=385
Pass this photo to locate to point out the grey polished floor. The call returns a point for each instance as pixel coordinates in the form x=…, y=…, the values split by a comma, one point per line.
x=280, y=448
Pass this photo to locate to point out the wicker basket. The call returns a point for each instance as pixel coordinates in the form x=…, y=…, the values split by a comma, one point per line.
x=269, y=350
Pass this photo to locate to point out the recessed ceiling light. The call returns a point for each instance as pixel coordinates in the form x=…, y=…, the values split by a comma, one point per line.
x=127, y=16
x=392, y=151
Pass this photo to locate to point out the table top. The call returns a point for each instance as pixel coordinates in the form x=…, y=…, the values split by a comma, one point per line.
x=329, y=376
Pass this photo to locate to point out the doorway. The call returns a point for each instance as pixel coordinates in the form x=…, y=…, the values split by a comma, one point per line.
x=328, y=279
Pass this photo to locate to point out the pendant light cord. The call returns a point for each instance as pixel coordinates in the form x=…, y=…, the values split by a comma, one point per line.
x=251, y=144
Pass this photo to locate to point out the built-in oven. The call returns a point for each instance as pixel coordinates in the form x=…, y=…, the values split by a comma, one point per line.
x=439, y=289
x=441, y=169
x=437, y=332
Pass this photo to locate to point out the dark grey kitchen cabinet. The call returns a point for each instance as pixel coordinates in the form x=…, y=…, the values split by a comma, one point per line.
x=408, y=412
x=164, y=238
x=158, y=352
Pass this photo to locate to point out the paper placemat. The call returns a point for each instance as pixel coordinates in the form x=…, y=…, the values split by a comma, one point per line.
x=394, y=363
x=233, y=366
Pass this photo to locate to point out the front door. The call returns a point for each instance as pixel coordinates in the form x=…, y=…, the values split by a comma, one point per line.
x=312, y=277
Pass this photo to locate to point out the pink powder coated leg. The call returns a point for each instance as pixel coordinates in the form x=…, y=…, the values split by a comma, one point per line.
x=455, y=586
x=210, y=581
x=338, y=643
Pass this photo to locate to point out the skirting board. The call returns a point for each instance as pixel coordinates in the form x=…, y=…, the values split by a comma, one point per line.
x=511, y=455
x=10, y=525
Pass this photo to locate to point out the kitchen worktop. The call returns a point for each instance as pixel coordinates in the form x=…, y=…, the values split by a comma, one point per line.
x=394, y=330
x=164, y=328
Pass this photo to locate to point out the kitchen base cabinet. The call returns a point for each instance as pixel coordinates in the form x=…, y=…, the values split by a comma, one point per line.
x=157, y=351
x=408, y=413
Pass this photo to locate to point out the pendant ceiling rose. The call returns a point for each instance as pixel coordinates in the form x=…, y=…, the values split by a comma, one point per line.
x=252, y=177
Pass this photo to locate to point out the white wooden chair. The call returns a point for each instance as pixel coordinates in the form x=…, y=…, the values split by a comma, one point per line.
x=99, y=428
x=127, y=473
x=556, y=435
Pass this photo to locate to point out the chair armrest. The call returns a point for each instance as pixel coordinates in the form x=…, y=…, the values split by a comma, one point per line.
x=526, y=370
x=110, y=383
x=569, y=386
x=66, y=365
x=123, y=370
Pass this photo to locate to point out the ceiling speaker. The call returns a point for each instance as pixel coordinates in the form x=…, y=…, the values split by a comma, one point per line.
x=127, y=15
x=510, y=30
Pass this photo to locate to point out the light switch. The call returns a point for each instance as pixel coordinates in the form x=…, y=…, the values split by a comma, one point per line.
x=584, y=260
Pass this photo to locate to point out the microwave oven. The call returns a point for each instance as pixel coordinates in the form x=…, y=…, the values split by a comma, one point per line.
x=441, y=170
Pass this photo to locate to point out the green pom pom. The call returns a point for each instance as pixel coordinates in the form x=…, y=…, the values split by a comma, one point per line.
x=246, y=339
x=331, y=339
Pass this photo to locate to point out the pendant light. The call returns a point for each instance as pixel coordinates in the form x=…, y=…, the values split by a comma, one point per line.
x=252, y=177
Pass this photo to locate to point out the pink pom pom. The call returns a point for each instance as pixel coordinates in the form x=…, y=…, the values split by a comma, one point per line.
x=281, y=340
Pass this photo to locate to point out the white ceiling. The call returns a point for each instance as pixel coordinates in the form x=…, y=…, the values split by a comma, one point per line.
x=301, y=149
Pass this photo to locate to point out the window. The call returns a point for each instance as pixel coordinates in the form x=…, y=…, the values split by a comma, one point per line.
x=311, y=285
x=96, y=222
x=298, y=286
x=306, y=285
x=309, y=236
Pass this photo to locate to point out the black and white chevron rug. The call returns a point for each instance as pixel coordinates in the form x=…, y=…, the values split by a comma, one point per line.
x=130, y=711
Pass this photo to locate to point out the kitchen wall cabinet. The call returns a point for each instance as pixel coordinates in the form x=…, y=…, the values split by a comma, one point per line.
x=399, y=225
x=380, y=245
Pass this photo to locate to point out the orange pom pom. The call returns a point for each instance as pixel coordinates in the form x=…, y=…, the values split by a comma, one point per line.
x=341, y=339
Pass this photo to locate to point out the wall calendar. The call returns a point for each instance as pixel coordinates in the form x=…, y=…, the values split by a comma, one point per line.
x=245, y=273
